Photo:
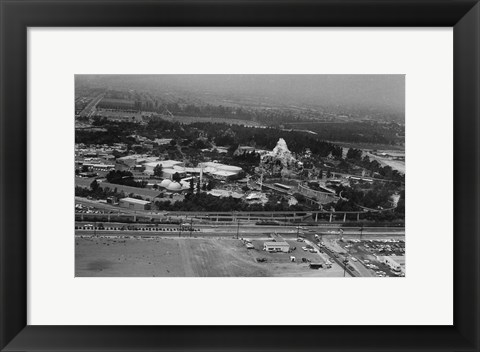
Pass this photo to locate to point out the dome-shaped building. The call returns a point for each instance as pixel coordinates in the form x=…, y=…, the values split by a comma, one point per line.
x=165, y=183
x=174, y=187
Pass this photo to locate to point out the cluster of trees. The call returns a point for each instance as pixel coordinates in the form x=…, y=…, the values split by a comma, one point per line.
x=355, y=157
x=97, y=192
x=113, y=132
x=220, y=134
x=124, y=178
x=157, y=170
x=385, y=216
x=357, y=132
x=266, y=138
x=206, y=202
x=378, y=195
x=355, y=154
x=247, y=161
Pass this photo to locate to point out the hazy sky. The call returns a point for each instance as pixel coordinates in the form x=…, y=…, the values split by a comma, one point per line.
x=375, y=91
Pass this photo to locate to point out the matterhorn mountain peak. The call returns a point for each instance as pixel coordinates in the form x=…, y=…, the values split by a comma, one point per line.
x=281, y=148
x=282, y=153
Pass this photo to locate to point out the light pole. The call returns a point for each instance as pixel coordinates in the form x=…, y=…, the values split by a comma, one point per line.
x=345, y=262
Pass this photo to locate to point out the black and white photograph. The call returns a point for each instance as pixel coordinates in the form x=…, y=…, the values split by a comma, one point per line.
x=240, y=175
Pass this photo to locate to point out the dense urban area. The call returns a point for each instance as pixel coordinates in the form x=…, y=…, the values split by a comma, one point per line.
x=173, y=184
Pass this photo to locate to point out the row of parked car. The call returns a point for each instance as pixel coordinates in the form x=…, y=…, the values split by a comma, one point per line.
x=123, y=228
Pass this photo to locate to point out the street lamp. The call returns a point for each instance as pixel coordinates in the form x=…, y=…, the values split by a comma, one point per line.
x=345, y=262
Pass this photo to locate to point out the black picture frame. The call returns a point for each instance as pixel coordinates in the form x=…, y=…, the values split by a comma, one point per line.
x=18, y=15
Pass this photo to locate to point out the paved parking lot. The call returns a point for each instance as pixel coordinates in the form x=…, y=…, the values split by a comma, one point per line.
x=367, y=253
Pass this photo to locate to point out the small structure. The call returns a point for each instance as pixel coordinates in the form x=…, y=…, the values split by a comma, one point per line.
x=112, y=200
x=134, y=204
x=99, y=167
x=316, y=265
x=222, y=193
x=256, y=197
x=87, y=174
x=276, y=247
x=394, y=262
x=244, y=149
x=162, y=141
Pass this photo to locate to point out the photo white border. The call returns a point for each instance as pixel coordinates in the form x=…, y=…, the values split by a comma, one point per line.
x=424, y=297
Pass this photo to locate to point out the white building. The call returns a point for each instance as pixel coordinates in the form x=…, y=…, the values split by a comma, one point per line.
x=163, y=141
x=166, y=164
x=99, y=167
x=220, y=171
x=276, y=247
x=135, y=159
x=134, y=204
x=168, y=173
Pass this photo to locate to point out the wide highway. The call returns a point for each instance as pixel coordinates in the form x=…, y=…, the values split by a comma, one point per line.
x=243, y=230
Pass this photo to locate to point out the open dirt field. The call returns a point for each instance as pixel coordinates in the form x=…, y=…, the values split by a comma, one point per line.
x=193, y=119
x=180, y=257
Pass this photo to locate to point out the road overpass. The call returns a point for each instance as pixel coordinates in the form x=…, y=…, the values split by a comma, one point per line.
x=112, y=212
x=278, y=216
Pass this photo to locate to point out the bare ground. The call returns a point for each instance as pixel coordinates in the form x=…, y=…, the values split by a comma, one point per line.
x=180, y=257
